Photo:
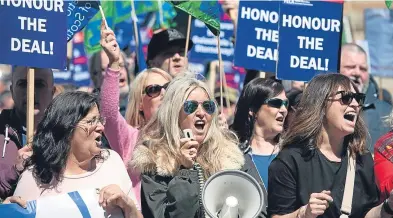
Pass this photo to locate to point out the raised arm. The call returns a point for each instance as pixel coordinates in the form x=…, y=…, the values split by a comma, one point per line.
x=121, y=136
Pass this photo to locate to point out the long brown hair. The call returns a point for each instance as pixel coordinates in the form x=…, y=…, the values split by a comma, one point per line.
x=306, y=128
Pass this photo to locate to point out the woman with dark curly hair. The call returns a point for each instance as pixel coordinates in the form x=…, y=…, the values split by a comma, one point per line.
x=67, y=157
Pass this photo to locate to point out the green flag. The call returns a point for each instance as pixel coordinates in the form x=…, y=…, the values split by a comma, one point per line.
x=115, y=12
x=205, y=11
x=388, y=3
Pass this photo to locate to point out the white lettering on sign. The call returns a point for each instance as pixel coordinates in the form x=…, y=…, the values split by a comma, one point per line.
x=262, y=52
x=313, y=43
x=314, y=23
x=266, y=34
x=32, y=46
x=32, y=24
x=48, y=5
x=259, y=15
x=309, y=63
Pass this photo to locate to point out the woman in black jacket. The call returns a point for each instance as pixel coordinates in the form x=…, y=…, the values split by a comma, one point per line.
x=173, y=166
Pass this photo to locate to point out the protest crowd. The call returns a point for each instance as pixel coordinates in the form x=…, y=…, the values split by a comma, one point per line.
x=144, y=137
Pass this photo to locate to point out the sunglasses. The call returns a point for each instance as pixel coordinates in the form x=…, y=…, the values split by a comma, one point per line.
x=277, y=103
x=154, y=90
x=347, y=97
x=191, y=106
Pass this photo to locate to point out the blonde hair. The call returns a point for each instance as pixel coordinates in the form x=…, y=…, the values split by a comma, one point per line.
x=134, y=116
x=162, y=133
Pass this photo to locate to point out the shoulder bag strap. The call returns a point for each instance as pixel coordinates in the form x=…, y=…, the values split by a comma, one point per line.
x=346, y=205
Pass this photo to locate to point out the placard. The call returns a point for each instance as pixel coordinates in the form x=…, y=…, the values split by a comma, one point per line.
x=34, y=33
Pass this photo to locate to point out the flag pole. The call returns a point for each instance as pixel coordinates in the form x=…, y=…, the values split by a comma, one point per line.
x=134, y=20
x=188, y=35
x=103, y=17
x=220, y=67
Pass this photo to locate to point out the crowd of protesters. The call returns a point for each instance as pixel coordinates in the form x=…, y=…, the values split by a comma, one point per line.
x=126, y=136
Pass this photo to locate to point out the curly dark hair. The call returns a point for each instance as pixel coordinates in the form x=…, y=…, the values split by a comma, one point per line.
x=51, y=144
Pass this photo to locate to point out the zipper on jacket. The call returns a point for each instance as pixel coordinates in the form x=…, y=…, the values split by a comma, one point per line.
x=6, y=139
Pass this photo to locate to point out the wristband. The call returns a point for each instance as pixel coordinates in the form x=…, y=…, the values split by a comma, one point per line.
x=387, y=208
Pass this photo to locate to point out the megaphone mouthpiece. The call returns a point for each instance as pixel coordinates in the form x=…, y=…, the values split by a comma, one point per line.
x=231, y=201
x=230, y=208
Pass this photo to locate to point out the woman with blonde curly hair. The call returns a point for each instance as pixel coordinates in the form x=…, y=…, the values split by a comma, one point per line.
x=171, y=164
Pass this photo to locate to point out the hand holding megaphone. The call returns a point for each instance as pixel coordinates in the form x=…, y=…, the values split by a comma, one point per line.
x=188, y=150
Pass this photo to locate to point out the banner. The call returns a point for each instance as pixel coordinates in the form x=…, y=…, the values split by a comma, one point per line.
x=34, y=33
x=78, y=204
x=309, y=39
x=296, y=39
x=257, y=35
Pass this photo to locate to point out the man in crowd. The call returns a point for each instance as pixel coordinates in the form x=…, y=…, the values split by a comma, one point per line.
x=166, y=50
x=13, y=124
x=97, y=66
x=355, y=66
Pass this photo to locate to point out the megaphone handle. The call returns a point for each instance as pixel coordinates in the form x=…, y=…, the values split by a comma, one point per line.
x=201, y=181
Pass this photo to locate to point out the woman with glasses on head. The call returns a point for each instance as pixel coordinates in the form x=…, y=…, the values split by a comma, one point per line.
x=67, y=157
x=146, y=93
x=181, y=147
x=259, y=121
x=326, y=139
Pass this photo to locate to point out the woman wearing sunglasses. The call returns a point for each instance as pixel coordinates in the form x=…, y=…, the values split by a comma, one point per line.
x=146, y=93
x=259, y=120
x=174, y=166
x=326, y=139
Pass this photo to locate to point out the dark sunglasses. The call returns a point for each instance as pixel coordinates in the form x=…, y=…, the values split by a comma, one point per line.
x=191, y=106
x=154, y=90
x=347, y=97
x=277, y=103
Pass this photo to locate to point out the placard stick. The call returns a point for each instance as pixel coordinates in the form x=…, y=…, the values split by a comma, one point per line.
x=30, y=106
x=134, y=20
x=103, y=17
x=188, y=35
x=221, y=70
x=227, y=94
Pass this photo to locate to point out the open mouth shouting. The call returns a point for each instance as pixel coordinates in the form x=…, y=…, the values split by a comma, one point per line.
x=98, y=140
x=200, y=126
x=350, y=116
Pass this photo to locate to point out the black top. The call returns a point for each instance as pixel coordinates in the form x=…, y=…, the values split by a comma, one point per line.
x=294, y=175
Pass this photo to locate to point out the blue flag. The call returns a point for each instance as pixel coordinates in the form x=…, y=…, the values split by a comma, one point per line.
x=78, y=15
x=125, y=36
x=140, y=55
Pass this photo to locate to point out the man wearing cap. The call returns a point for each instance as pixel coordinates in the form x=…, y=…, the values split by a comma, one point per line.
x=166, y=51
